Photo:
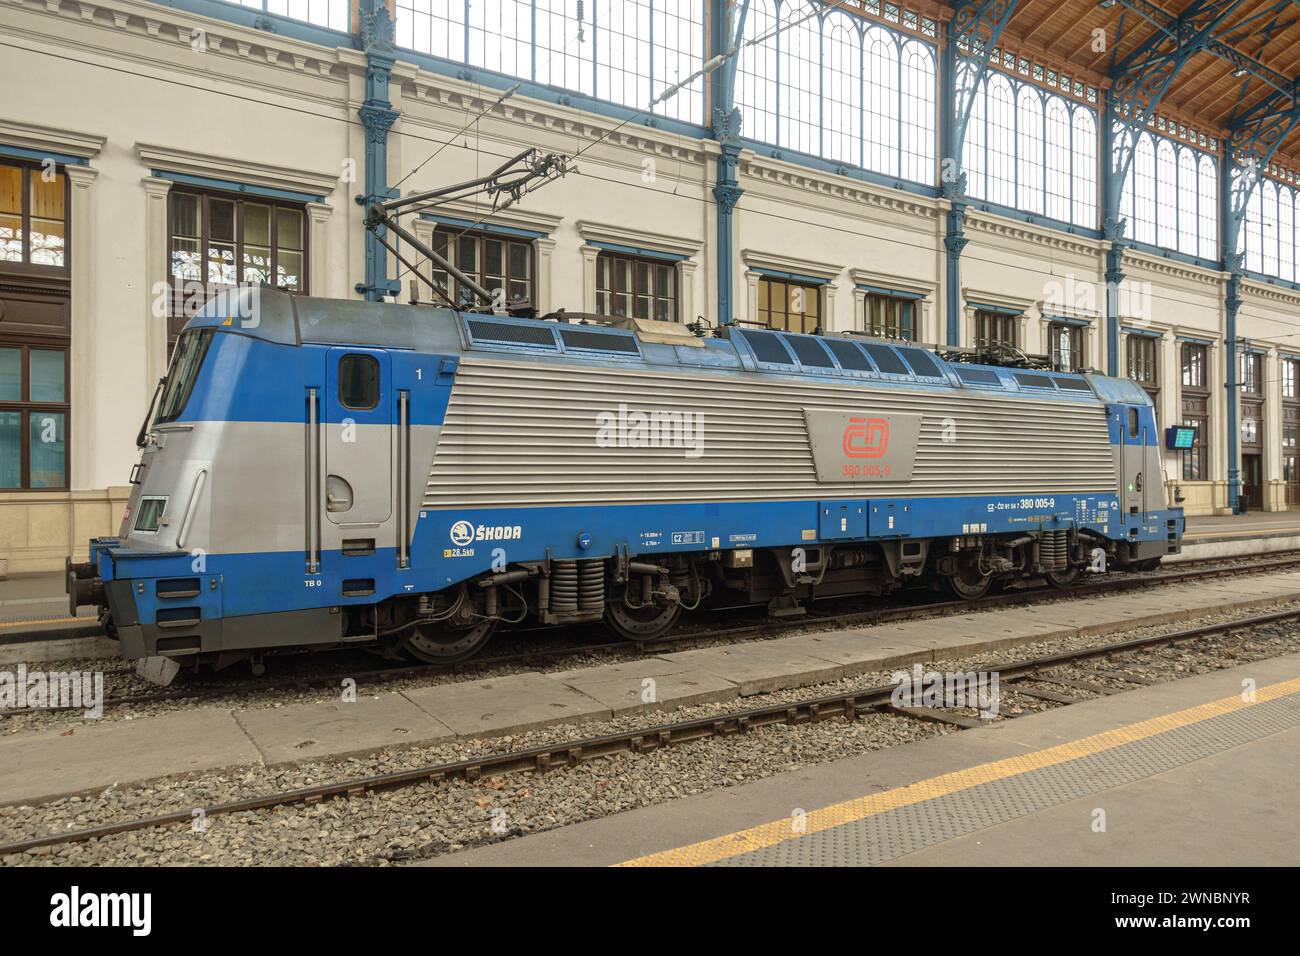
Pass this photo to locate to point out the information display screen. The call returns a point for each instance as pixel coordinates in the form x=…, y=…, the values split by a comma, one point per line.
x=1180, y=437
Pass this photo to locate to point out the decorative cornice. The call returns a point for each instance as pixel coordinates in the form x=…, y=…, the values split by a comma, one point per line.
x=781, y=262
x=640, y=238
x=841, y=189
x=1270, y=293
x=991, y=224
x=238, y=170
x=889, y=280
x=35, y=136
x=178, y=27
x=513, y=217
x=971, y=296
x=1172, y=268
x=533, y=117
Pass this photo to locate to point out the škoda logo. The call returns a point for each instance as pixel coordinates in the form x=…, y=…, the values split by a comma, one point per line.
x=866, y=438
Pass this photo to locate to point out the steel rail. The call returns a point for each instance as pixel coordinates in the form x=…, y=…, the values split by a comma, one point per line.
x=925, y=611
x=848, y=705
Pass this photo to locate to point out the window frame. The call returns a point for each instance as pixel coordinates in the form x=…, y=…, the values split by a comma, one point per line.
x=373, y=362
x=177, y=301
x=1250, y=371
x=451, y=252
x=985, y=317
x=905, y=304
x=1078, y=346
x=25, y=408
x=610, y=256
x=786, y=286
x=1198, y=394
x=1134, y=345
x=26, y=267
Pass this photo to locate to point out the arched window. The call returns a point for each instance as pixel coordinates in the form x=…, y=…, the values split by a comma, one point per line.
x=918, y=82
x=1254, y=237
x=1030, y=157
x=882, y=101
x=1268, y=227
x=1187, y=195
x=1166, y=195
x=1170, y=195
x=756, y=74
x=1001, y=132
x=1144, y=191
x=842, y=88
x=1208, y=208
x=1285, y=234
x=1030, y=149
x=1083, y=150
x=563, y=60
x=1058, y=159
x=677, y=51
x=836, y=87
x=622, y=51
x=975, y=148
x=622, y=55
x=798, y=58
x=500, y=34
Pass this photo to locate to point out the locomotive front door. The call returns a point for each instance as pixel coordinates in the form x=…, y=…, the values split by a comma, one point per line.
x=358, y=426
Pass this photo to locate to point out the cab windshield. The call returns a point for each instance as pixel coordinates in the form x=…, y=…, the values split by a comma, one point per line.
x=186, y=360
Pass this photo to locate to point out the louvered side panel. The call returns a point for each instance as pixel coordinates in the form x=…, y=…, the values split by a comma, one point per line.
x=519, y=434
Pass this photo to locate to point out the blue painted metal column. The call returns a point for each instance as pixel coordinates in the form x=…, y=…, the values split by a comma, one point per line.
x=726, y=130
x=1112, y=228
x=377, y=117
x=1232, y=303
x=952, y=187
x=977, y=26
x=1254, y=139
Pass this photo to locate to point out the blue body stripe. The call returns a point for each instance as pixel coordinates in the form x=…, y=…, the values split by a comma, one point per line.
x=245, y=379
x=270, y=582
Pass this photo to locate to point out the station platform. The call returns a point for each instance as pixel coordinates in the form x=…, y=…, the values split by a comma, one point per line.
x=35, y=624
x=1228, y=536
x=111, y=750
x=1188, y=773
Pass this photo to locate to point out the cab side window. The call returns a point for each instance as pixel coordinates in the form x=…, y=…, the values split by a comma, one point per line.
x=358, y=382
x=1132, y=423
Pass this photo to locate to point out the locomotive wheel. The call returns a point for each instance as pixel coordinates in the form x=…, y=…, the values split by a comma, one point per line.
x=440, y=644
x=968, y=584
x=1150, y=564
x=640, y=624
x=1062, y=579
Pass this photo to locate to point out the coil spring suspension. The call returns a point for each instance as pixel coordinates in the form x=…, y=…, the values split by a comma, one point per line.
x=1054, y=550
x=564, y=586
x=591, y=585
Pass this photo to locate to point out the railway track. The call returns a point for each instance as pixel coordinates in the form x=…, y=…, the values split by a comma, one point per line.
x=687, y=637
x=848, y=705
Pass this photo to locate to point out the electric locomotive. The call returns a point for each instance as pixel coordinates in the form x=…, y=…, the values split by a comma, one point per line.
x=322, y=473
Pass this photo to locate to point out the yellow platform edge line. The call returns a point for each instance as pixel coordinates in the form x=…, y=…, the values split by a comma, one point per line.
x=47, y=620
x=778, y=831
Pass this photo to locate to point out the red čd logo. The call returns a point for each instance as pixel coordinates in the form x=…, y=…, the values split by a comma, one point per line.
x=866, y=438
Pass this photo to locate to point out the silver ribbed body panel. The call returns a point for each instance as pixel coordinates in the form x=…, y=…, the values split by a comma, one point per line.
x=525, y=434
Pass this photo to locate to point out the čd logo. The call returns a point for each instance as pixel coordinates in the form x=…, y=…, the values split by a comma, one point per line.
x=866, y=438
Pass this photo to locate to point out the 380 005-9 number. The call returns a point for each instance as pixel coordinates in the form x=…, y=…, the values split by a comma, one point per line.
x=1038, y=502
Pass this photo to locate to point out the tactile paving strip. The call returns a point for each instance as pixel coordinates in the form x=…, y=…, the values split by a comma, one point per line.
x=893, y=833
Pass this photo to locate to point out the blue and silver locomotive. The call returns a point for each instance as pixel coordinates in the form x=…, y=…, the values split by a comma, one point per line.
x=325, y=473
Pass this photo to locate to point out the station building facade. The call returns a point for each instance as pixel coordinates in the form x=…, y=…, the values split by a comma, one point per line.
x=147, y=146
